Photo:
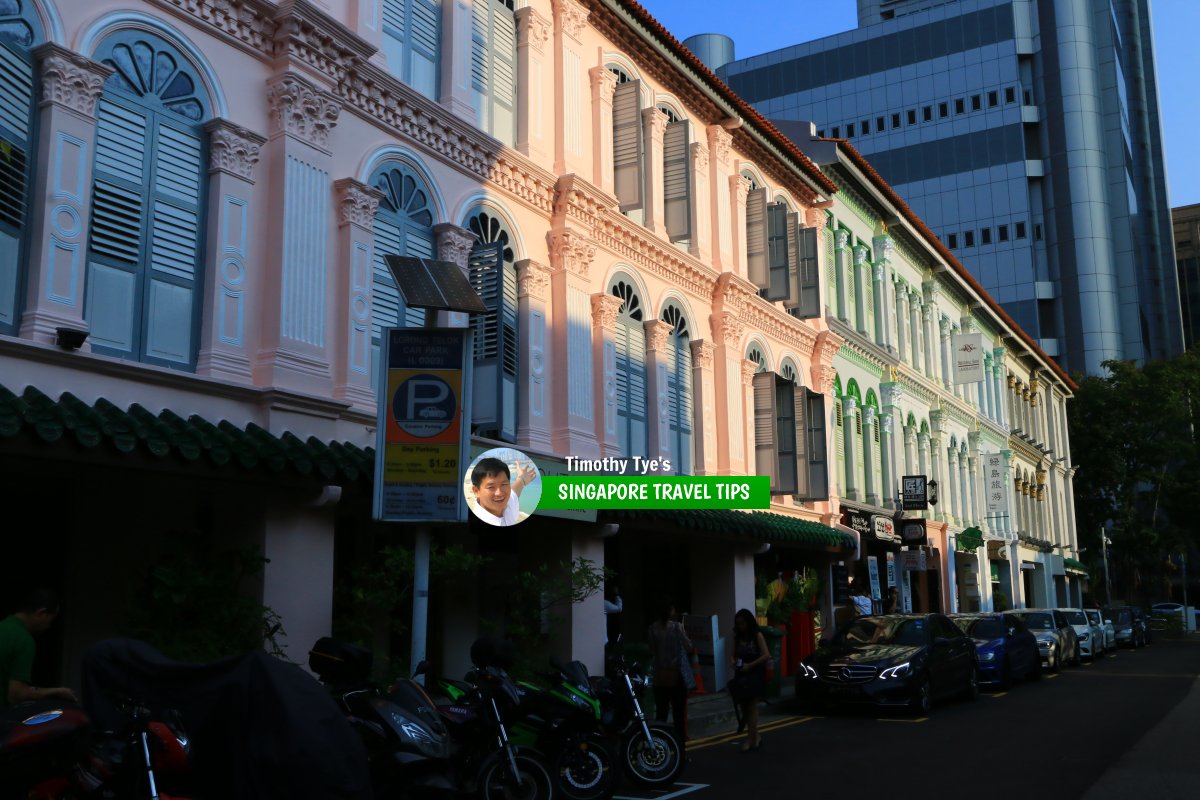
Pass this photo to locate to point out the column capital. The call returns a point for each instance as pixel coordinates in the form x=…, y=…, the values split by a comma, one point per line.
x=910, y=434
x=657, y=332
x=849, y=403
x=700, y=156
x=702, y=353
x=727, y=329
x=656, y=121
x=233, y=149
x=604, y=81
x=891, y=393
x=357, y=203
x=719, y=141
x=749, y=369
x=860, y=254
x=944, y=324
x=532, y=28
x=887, y=421
x=570, y=251
x=70, y=80
x=533, y=280
x=740, y=186
x=868, y=415
x=605, y=309
x=572, y=16
x=454, y=243
x=302, y=110
x=841, y=238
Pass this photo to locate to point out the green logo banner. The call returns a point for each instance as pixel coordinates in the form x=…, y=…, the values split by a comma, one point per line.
x=709, y=491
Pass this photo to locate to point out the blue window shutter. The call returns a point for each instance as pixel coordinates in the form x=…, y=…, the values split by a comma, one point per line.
x=16, y=151
x=777, y=251
x=495, y=356
x=756, y=237
x=481, y=55
x=395, y=35
x=638, y=429
x=385, y=297
x=677, y=181
x=426, y=37
x=627, y=144
x=504, y=73
x=679, y=396
x=621, y=345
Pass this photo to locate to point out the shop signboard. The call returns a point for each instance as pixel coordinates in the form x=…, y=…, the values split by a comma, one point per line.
x=912, y=532
x=420, y=453
x=968, y=357
x=996, y=487
x=891, y=570
x=912, y=560
x=704, y=631
x=857, y=521
x=873, y=572
x=915, y=497
x=885, y=529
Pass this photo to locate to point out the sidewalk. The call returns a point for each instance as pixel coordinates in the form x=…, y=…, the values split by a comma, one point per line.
x=710, y=714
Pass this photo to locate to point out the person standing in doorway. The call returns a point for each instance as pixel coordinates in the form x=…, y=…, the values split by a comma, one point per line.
x=668, y=645
x=36, y=614
x=862, y=601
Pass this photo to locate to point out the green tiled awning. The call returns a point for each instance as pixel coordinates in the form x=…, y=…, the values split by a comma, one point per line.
x=762, y=526
x=168, y=435
x=1074, y=565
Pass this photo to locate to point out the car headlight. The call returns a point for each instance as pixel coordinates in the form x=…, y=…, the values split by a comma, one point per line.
x=898, y=671
x=807, y=672
x=989, y=656
x=1083, y=637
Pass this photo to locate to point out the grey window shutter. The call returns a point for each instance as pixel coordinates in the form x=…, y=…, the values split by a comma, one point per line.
x=785, y=435
x=800, y=428
x=677, y=181
x=481, y=54
x=818, y=468
x=638, y=429
x=495, y=343
x=683, y=404
x=627, y=145
x=777, y=252
x=806, y=285
x=793, y=280
x=756, y=237
x=765, y=459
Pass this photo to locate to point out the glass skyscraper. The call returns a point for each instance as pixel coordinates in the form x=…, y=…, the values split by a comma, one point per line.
x=1026, y=134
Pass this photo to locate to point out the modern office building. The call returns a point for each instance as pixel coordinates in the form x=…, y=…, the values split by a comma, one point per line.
x=1026, y=134
x=1186, y=224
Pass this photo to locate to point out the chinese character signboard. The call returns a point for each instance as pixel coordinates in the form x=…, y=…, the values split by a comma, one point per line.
x=885, y=529
x=915, y=498
x=968, y=357
x=995, y=484
x=420, y=451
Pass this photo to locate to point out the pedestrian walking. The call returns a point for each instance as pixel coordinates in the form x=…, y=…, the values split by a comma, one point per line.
x=669, y=646
x=749, y=682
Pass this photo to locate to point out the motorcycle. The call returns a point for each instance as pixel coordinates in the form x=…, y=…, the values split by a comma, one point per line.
x=650, y=753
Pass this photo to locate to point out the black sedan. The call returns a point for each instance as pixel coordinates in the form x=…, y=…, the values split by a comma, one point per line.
x=898, y=660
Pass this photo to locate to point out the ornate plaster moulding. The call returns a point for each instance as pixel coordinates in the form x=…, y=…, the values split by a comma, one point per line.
x=357, y=202
x=233, y=149
x=578, y=199
x=633, y=243
x=69, y=79
x=533, y=280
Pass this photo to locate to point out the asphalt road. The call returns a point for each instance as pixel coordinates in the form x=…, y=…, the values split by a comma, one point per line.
x=1055, y=738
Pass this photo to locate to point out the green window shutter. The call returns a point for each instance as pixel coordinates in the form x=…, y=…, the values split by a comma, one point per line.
x=631, y=387
x=677, y=180
x=627, y=144
x=785, y=436
x=756, y=237
x=765, y=461
x=777, y=252
x=495, y=343
x=16, y=149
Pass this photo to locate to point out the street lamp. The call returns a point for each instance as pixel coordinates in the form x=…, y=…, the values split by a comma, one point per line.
x=933, y=493
x=1104, y=543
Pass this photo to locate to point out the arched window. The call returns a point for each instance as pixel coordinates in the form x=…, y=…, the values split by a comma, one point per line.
x=677, y=177
x=494, y=276
x=412, y=42
x=754, y=353
x=679, y=389
x=403, y=227
x=494, y=67
x=20, y=32
x=148, y=192
x=631, y=371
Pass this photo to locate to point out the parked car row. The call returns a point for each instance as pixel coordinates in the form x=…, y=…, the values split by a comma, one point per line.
x=910, y=660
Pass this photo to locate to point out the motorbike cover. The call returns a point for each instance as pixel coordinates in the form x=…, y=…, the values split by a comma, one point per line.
x=260, y=728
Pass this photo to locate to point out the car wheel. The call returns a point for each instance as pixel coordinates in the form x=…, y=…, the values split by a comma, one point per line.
x=1053, y=660
x=922, y=701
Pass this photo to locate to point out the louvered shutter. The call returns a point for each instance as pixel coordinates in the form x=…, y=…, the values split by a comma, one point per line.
x=424, y=40
x=777, y=251
x=805, y=299
x=800, y=406
x=817, y=453
x=677, y=181
x=627, y=144
x=684, y=407
x=16, y=113
x=395, y=35
x=756, y=237
x=118, y=211
x=785, y=435
x=638, y=429
x=481, y=53
x=495, y=379
x=504, y=73
x=385, y=297
x=174, y=244
x=765, y=460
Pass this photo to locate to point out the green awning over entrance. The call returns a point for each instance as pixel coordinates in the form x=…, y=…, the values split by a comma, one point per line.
x=1075, y=566
x=168, y=435
x=763, y=526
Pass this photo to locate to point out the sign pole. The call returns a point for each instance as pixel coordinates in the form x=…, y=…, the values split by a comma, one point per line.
x=420, y=613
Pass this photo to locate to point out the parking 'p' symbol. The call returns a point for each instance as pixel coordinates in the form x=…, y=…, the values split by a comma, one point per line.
x=424, y=406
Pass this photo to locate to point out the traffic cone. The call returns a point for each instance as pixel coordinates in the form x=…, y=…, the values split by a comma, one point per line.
x=695, y=659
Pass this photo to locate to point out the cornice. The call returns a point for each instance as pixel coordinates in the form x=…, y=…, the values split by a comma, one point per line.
x=852, y=352
x=762, y=315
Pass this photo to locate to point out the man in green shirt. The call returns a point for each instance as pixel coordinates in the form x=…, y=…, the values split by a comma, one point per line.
x=17, y=649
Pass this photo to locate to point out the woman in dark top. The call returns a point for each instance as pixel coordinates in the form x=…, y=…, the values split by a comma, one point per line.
x=748, y=686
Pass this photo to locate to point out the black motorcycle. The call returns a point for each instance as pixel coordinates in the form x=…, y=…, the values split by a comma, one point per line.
x=650, y=753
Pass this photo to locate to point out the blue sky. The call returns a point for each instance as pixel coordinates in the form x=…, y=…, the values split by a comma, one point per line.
x=749, y=23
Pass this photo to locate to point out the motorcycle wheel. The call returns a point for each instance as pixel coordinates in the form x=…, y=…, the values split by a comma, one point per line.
x=584, y=771
x=653, y=764
x=500, y=783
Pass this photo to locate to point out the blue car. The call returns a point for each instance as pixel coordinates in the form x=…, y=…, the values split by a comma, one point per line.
x=1005, y=650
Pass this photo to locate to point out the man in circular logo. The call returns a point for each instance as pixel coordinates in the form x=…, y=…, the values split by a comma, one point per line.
x=497, y=492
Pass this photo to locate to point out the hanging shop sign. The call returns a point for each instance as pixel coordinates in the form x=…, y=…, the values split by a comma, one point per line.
x=996, y=487
x=915, y=496
x=891, y=570
x=857, y=521
x=912, y=531
x=885, y=529
x=913, y=560
x=968, y=357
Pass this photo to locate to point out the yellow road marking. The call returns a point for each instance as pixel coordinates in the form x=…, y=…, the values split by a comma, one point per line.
x=999, y=694
x=1049, y=677
x=734, y=737
x=893, y=719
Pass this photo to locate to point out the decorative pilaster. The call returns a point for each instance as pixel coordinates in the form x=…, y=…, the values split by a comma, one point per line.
x=890, y=394
x=571, y=152
x=574, y=420
x=731, y=420
x=654, y=127
x=823, y=372
x=739, y=191
x=902, y=343
x=869, y=457
x=604, y=84
x=700, y=245
x=861, y=269
x=351, y=357
x=998, y=384
x=851, y=443
x=841, y=265
x=533, y=35
x=947, y=372
x=605, y=309
x=719, y=141
x=658, y=422
x=59, y=207
x=918, y=316
x=533, y=409
x=704, y=406
x=231, y=292
x=884, y=304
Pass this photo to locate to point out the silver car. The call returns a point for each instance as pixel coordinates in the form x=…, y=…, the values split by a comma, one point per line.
x=1102, y=630
x=1091, y=645
x=1056, y=638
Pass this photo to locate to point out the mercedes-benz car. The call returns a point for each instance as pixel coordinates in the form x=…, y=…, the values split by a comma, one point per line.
x=1005, y=650
x=899, y=660
x=1091, y=646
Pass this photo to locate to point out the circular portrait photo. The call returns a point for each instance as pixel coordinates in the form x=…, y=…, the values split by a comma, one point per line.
x=502, y=486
